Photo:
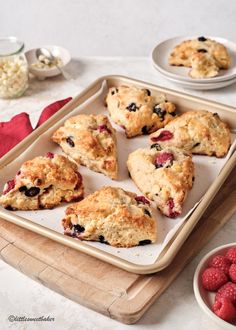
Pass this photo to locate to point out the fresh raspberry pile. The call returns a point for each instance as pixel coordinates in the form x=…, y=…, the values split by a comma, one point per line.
x=220, y=277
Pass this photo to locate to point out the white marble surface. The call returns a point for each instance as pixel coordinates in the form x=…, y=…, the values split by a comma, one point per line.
x=176, y=308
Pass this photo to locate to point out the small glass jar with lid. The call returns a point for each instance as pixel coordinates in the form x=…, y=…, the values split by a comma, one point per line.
x=13, y=68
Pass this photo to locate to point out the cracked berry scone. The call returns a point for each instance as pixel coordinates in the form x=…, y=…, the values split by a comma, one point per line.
x=203, y=66
x=91, y=141
x=200, y=132
x=164, y=176
x=42, y=183
x=137, y=111
x=181, y=54
x=112, y=216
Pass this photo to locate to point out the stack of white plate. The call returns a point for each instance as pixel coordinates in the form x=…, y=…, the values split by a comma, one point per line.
x=180, y=75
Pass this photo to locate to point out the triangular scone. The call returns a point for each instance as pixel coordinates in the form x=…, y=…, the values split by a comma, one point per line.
x=137, y=111
x=91, y=141
x=112, y=216
x=164, y=176
x=42, y=183
x=200, y=132
x=181, y=54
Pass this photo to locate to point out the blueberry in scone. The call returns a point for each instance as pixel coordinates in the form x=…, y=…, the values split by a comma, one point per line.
x=163, y=175
x=91, y=141
x=137, y=111
x=112, y=216
x=200, y=132
x=203, y=66
x=42, y=183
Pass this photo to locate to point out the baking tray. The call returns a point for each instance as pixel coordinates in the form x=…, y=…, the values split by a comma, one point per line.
x=184, y=102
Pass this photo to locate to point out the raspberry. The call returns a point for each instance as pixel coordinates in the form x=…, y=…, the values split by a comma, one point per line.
x=225, y=309
x=227, y=291
x=49, y=155
x=213, y=278
x=9, y=186
x=220, y=262
x=163, y=136
x=164, y=158
x=171, y=205
x=232, y=273
x=103, y=128
x=142, y=199
x=231, y=255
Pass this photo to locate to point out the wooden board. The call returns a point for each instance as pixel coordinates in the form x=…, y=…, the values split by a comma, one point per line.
x=97, y=285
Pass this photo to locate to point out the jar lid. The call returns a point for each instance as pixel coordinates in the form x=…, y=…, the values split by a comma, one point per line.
x=10, y=46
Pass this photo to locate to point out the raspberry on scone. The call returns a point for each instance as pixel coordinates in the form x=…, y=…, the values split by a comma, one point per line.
x=199, y=132
x=164, y=176
x=91, y=141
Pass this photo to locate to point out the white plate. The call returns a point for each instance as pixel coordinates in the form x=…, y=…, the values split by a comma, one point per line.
x=161, y=52
x=205, y=298
x=198, y=86
x=57, y=51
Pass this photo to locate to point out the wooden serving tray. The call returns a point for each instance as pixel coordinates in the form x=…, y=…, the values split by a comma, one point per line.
x=98, y=285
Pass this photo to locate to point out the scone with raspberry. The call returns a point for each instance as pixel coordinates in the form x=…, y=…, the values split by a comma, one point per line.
x=91, y=141
x=163, y=175
x=42, y=183
x=137, y=111
x=112, y=216
x=200, y=132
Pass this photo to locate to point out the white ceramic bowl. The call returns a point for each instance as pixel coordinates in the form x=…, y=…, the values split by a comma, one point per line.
x=57, y=51
x=205, y=298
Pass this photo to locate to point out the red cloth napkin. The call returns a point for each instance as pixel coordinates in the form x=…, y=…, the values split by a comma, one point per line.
x=15, y=130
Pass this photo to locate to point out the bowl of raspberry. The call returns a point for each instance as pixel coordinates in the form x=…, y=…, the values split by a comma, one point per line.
x=214, y=285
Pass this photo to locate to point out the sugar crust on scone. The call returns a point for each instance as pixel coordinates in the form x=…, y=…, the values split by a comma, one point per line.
x=200, y=132
x=112, y=216
x=91, y=141
x=163, y=175
x=137, y=111
x=43, y=183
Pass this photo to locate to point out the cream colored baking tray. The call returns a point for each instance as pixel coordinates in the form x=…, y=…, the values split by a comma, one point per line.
x=184, y=103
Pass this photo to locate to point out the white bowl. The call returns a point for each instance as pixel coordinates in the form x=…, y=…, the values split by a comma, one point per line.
x=205, y=298
x=57, y=51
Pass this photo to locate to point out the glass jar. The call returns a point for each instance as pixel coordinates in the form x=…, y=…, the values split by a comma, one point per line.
x=13, y=68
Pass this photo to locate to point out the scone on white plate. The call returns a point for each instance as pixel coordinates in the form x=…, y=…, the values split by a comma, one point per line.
x=182, y=53
x=200, y=132
x=91, y=141
x=137, y=111
x=112, y=216
x=42, y=183
x=163, y=175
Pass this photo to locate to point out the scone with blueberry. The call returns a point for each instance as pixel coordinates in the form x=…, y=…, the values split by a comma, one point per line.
x=200, y=132
x=163, y=175
x=137, y=111
x=182, y=53
x=112, y=216
x=91, y=141
x=42, y=183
